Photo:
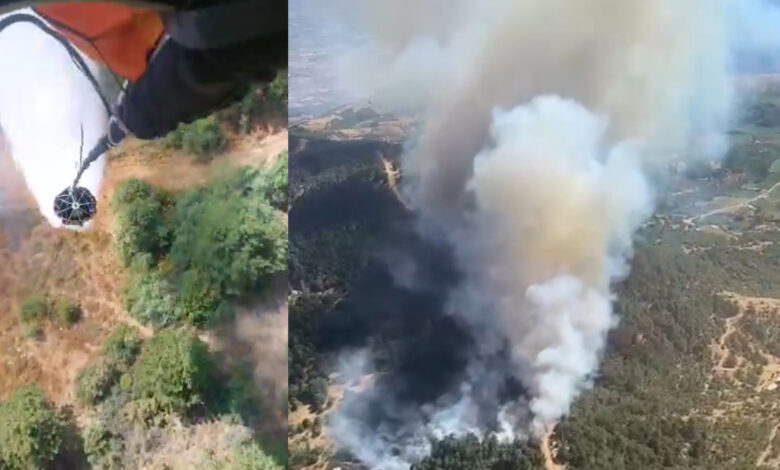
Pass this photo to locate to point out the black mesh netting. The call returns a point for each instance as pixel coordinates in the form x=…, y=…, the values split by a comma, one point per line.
x=75, y=206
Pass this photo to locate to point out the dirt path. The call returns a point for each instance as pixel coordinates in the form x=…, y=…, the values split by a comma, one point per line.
x=732, y=207
x=770, y=370
x=549, y=453
x=762, y=459
x=722, y=351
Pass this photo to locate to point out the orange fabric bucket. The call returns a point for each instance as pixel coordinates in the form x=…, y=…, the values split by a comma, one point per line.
x=117, y=36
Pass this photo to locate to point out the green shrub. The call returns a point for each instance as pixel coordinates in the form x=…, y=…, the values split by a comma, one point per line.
x=315, y=394
x=140, y=221
x=262, y=101
x=122, y=346
x=274, y=182
x=202, y=137
x=149, y=297
x=103, y=447
x=94, y=382
x=278, y=88
x=473, y=453
x=242, y=393
x=33, y=331
x=247, y=456
x=239, y=240
x=174, y=373
x=214, y=244
x=67, y=312
x=31, y=431
x=199, y=298
x=126, y=383
x=268, y=183
x=35, y=307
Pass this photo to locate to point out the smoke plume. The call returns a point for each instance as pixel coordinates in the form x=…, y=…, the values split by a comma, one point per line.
x=44, y=100
x=540, y=119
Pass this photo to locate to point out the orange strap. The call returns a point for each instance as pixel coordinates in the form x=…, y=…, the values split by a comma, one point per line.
x=117, y=36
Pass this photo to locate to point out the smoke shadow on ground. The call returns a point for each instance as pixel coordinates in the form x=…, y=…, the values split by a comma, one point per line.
x=395, y=304
x=255, y=341
x=422, y=349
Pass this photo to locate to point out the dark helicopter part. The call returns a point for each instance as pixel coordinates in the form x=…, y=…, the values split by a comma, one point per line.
x=75, y=205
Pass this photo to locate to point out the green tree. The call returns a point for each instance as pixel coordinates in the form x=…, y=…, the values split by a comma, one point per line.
x=103, y=447
x=149, y=296
x=94, y=382
x=31, y=431
x=247, y=456
x=122, y=346
x=202, y=137
x=141, y=227
x=230, y=235
x=175, y=373
x=471, y=453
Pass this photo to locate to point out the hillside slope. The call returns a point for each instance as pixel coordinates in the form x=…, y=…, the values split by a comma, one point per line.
x=690, y=377
x=83, y=267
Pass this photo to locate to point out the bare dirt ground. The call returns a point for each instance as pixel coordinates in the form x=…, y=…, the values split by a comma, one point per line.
x=82, y=266
x=770, y=373
x=732, y=208
x=769, y=376
x=549, y=452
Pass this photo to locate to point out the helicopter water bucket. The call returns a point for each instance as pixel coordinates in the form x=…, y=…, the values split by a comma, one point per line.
x=75, y=206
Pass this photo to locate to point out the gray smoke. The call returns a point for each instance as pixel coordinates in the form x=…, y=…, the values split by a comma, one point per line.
x=43, y=101
x=541, y=118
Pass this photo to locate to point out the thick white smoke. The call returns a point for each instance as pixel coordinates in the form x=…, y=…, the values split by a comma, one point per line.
x=44, y=100
x=555, y=209
x=540, y=118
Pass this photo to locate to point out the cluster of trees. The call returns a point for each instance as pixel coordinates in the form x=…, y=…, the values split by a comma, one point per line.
x=205, y=137
x=138, y=387
x=190, y=257
x=327, y=252
x=95, y=381
x=307, y=378
x=32, y=431
x=263, y=106
x=247, y=456
x=671, y=310
x=472, y=453
x=191, y=254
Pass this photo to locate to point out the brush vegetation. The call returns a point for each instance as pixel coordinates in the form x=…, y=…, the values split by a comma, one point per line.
x=146, y=392
x=203, y=138
x=32, y=432
x=192, y=254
